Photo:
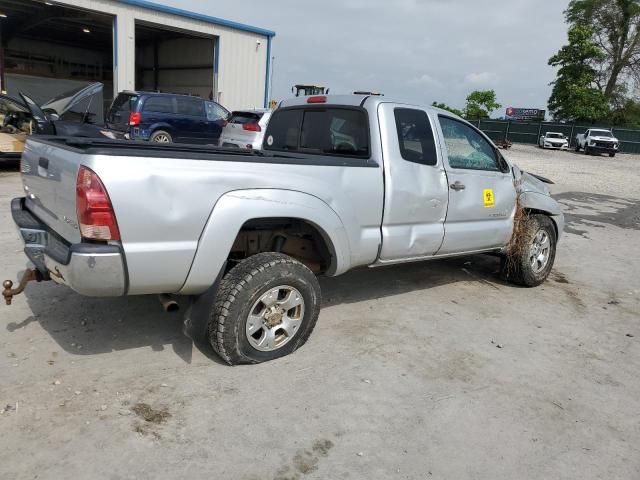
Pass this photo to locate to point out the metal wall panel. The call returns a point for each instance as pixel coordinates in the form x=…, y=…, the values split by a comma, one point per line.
x=242, y=62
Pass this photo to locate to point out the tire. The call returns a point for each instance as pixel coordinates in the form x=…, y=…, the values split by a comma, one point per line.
x=240, y=300
x=586, y=150
x=612, y=155
x=161, y=136
x=520, y=269
x=577, y=147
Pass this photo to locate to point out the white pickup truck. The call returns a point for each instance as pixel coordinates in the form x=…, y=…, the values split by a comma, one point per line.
x=343, y=182
x=596, y=140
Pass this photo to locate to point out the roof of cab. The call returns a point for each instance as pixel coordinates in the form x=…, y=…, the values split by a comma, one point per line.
x=356, y=101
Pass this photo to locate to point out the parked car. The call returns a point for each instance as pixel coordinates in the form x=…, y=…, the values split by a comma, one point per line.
x=342, y=182
x=245, y=129
x=69, y=114
x=554, y=140
x=167, y=118
x=596, y=140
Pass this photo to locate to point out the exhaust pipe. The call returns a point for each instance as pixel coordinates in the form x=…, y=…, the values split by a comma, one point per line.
x=168, y=303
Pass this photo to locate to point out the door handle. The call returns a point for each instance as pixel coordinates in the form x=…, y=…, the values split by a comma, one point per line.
x=457, y=186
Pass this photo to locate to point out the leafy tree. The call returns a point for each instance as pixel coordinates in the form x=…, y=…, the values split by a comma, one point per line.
x=627, y=115
x=480, y=104
x=444, y=106
x=615, y=28
x=575, y=95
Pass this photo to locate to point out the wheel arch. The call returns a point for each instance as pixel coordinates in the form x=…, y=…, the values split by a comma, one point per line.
x=240, y=208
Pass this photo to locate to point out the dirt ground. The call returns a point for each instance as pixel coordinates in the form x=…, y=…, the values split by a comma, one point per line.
x=435, y=370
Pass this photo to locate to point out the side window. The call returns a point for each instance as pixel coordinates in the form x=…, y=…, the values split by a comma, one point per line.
x=215, y=112
x=415, y=135
x=190, y=106
x=283, y=130
x=467, y=148
x=159, y=104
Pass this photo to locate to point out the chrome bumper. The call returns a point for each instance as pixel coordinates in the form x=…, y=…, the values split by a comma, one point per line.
x=95, y=270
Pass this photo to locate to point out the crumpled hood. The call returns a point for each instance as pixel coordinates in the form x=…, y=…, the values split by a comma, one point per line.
x=525, y=182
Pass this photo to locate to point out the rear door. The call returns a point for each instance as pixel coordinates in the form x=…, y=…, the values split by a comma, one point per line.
x=482, y=196
x=118, y=115
x=415, y=184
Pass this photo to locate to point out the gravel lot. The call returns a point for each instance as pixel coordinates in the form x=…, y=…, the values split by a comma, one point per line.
x=432, y=370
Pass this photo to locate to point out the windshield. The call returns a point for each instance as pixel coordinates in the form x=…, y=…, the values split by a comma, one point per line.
x=601, y=133
x=555, y=135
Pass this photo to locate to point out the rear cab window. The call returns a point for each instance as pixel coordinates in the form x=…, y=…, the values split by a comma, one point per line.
x=334, y=131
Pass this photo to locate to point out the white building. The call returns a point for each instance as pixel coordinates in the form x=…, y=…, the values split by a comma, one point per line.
x=49, y=46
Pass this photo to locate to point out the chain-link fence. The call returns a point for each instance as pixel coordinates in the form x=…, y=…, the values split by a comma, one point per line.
x=530, y=132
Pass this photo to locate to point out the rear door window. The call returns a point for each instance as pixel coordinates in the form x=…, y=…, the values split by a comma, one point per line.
x=415, y=136
x=159, y=104
x=193, y=107
x=326, y=131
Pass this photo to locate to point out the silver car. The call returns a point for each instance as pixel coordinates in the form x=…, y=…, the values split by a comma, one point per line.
x=245, y=129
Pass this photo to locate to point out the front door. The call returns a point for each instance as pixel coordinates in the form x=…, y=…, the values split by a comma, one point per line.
x=415, y=182
x=482, y=197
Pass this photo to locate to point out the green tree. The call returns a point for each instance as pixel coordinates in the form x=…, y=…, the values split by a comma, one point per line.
x=480, y=104
x=575, y=95
x=615, y=28
x=444, y=106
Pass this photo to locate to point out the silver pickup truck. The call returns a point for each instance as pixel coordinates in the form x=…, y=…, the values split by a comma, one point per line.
x=343, y=182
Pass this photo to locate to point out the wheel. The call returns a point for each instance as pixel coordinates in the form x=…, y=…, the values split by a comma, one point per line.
x=161, y=136
x=266, y=308
x=531, y=264
x=586, y=150
x=612, y=154
x=577, y=147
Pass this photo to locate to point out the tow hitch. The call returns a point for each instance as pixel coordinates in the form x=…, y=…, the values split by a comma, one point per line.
x=29, y=275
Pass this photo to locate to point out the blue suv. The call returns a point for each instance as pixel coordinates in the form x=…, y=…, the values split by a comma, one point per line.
x=166, y=117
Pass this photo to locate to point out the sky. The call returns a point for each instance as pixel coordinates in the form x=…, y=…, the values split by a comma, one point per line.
x=418, y=51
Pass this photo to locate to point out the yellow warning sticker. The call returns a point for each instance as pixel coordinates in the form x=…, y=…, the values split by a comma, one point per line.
x=489, y=200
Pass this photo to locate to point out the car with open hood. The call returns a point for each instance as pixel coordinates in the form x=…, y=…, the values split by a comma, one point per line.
x=71, y=114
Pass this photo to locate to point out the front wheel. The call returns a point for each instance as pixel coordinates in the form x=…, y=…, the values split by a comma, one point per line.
x=534, y=252
x=266, y=308
x=612, y=154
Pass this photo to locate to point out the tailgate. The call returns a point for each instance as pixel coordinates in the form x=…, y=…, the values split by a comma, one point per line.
x=49, y=177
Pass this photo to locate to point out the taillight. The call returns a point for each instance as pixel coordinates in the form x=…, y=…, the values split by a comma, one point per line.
x=95, y=213
x=317, y=99
x=135, y=118
x=251, y=127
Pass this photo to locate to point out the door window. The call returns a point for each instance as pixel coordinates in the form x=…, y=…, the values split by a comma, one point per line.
x=415, y=136
x=159, y=104
x=215, y=112
x=466, y=148
x=190, y=106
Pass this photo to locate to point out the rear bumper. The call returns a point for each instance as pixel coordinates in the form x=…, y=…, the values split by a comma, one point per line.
x=96, y=270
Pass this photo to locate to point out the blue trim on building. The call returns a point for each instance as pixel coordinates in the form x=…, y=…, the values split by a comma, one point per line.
x=267, y=75
x=198, y=16
x=115, y=42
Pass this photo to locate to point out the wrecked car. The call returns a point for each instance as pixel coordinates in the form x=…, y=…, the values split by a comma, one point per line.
x=69, y=114
x=342, y=182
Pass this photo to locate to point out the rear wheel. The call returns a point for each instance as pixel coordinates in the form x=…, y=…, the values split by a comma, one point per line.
x=160, y=136
x=266, y=308
x=533, y=260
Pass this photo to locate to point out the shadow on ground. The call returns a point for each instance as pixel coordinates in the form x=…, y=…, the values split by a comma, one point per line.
x=90, y=326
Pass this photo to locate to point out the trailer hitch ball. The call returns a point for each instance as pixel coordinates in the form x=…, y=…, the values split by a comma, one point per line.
x=9, y=292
